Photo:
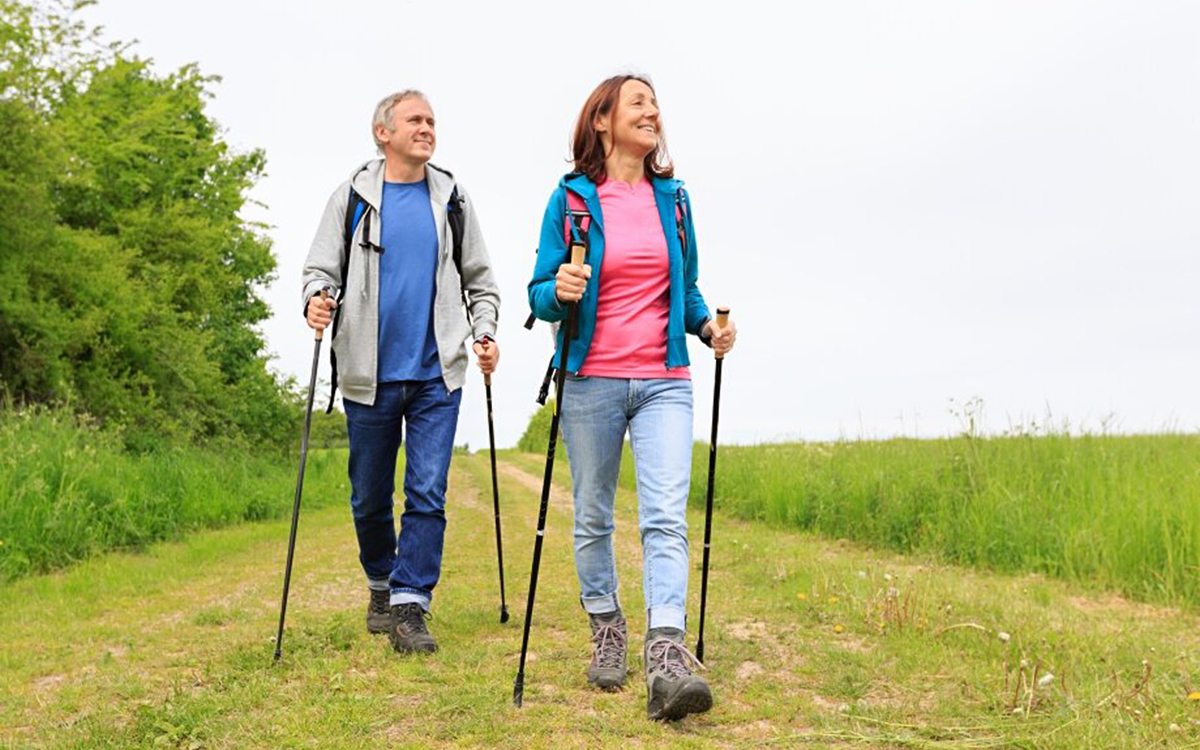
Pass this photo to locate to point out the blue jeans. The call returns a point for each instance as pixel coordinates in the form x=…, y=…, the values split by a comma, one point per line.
x=596, y=412
x=410, y=566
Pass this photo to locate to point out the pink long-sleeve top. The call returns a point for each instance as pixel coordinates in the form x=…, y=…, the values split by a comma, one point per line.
x=630, y=340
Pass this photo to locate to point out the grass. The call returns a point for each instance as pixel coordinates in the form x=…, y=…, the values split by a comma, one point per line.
x=1112, y=512
x=69, y=492
x=811, y=642
x=1115, y=512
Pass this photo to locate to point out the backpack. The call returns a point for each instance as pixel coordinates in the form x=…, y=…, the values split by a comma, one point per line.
x=576, y=223
x=356, y=210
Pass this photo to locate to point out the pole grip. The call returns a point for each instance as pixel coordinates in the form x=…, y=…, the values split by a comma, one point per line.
x=324, y=296
x=722, y=321
x=487, y=376
x=578, y=252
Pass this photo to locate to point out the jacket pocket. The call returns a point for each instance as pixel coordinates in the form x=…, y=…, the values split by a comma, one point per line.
x=354, y=361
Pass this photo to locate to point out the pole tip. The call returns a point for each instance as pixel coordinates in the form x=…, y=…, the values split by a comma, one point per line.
x=518, y=690
x=700, y=651
x=503, y=614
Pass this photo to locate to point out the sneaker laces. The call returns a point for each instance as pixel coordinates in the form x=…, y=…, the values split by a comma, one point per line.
x=379, y=601
x=672, y=658
x=610, y=642
x=413, y=617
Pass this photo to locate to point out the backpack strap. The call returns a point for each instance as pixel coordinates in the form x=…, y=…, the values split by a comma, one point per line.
x=681, y=218
x=356, y=209
x=577, y=220
x=457, y=220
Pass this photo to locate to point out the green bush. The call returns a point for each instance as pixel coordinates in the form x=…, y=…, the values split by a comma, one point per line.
x=537, y=432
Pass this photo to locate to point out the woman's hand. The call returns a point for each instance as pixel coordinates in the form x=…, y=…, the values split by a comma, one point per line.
x=721, y=338
x=571, y=281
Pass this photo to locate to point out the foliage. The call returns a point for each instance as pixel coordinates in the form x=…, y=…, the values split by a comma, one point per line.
x=69, y=490
x=131, y=280
x=537, y=432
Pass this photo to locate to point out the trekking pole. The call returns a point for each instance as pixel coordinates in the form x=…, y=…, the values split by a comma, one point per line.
x=287, y=571
x=577, y=258
x=722, y=320
x=487, y=385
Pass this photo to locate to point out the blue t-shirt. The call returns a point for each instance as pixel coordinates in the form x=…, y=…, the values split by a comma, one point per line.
x=407, y=348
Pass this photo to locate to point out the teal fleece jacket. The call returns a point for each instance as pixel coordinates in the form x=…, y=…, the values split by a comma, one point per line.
x=688, y=312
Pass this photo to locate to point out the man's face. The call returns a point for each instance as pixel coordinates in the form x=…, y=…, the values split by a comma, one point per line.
x=412, y=138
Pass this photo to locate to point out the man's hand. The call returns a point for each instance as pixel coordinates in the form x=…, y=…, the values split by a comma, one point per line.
x=487, y=352
x=320, y=312
x=721, y=338
x=571, y=281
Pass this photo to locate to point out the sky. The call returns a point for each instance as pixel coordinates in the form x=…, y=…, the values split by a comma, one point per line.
x=912, y=209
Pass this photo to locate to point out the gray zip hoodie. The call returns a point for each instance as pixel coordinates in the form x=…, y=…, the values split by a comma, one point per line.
x=356, y=342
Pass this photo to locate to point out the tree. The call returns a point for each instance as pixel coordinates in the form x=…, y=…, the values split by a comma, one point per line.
x=137, y=281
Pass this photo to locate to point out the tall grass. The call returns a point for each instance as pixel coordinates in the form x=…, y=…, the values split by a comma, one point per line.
x=69, y=491
x=1119, y=511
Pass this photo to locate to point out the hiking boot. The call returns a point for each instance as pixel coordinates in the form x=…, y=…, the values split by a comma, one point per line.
x=609, y=644
x=379, y=614
x=408, y=633
x=672, y=690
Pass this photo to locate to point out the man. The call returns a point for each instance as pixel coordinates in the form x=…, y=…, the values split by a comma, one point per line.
x=399, y=350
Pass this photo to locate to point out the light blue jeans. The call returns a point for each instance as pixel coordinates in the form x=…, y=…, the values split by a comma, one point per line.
x=657, y=413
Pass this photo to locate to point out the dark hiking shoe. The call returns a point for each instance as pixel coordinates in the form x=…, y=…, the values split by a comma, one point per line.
x=609, y=644
x=379, y=614
x=408, y=633
x=672, y=690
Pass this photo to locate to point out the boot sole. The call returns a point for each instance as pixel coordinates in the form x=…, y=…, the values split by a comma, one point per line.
x=421, y=649
x=607, y=684
x=694, y=701
x=378, y=629
x=424, y=647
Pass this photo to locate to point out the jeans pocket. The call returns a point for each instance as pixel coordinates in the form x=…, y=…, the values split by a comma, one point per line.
x=574, y=378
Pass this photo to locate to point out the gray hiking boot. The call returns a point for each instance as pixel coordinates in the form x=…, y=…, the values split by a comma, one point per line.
x=409, y=633
x=379, y=614
x=672, y=690
x=609, y=645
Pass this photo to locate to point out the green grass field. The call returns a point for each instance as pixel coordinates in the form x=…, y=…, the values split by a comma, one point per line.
x=1115, y=512
x=811, y=643
x=959, y=593
x=69, y=491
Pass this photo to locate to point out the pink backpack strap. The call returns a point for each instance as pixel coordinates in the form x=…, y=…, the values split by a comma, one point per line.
x=578, y=215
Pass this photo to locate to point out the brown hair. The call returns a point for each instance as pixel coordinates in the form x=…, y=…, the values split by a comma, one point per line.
x=589, y=148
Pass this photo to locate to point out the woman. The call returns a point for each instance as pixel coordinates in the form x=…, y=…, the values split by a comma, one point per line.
x=628, y=370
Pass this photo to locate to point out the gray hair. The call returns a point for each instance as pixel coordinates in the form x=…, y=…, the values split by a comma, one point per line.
x=383, y=112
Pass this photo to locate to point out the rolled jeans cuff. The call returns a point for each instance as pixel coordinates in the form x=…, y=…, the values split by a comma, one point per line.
x=404, y=596
x=379, y=584
x=600, y=605
x=666, y=616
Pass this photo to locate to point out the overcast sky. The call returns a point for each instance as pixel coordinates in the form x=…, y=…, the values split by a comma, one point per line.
x=903, y=203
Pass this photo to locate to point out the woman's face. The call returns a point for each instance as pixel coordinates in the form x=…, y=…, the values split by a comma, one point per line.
x=633, y=125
